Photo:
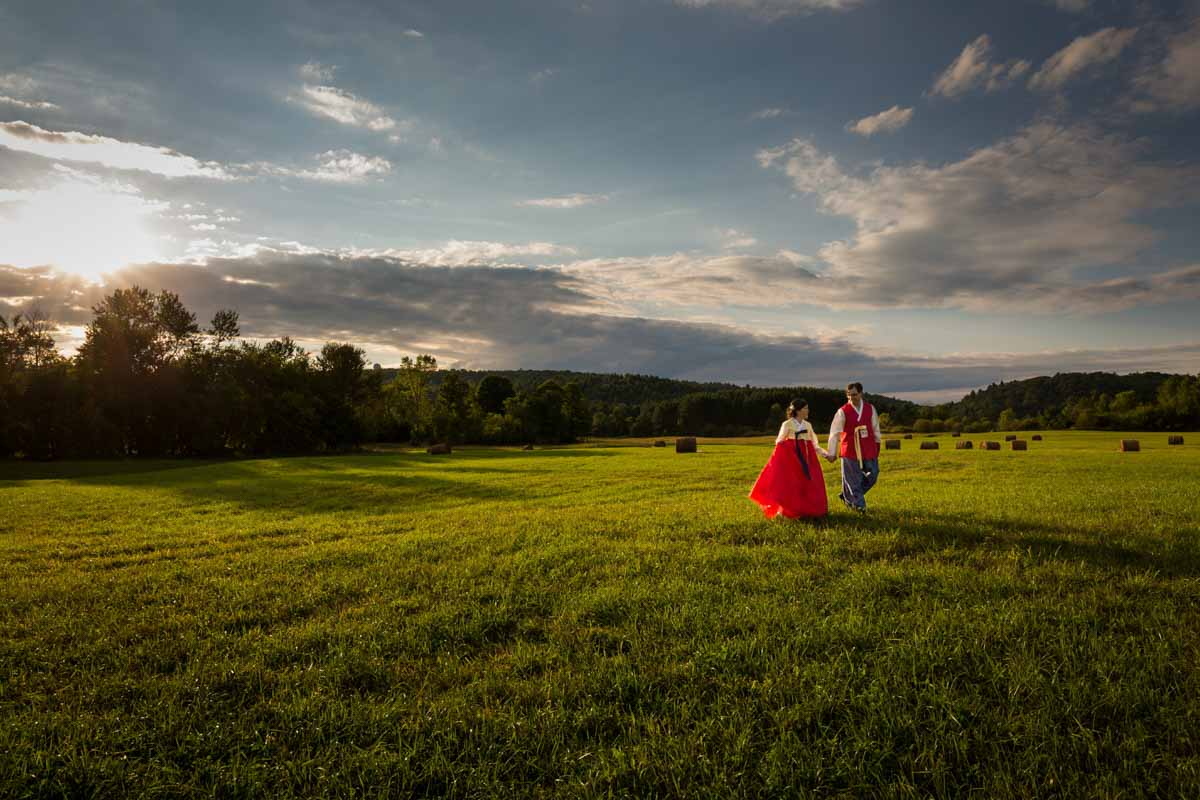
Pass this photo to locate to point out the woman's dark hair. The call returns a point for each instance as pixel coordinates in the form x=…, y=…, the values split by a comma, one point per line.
x=795, y=406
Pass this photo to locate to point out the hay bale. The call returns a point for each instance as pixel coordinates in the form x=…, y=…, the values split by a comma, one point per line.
x=1174, y=440
x=659, y=443
x=438, y=449
x=527, y=447
x=1130, y=446
x=685, y=444
x=956, y=434
x=1012, y=437
x=989, y=445
x=1037, y=437
x=964, y=445
x=929, y=445
x=891, y=444
x=1020, y=444
x=908, y=436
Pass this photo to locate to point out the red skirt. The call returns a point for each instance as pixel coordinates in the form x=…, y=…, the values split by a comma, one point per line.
x=782, y=487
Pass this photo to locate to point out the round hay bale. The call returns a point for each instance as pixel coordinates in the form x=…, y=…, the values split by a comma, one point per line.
x=964, y=445
x=908, y=436
x=659, y=443
x=438, y=449
x=891, y=444
x=1130, y=446
x=1174, y=440
x=1020, y=444
x=527, y=447
x=685, y=444
x=989, y=445
x=1010, y=437
x=1037, y=437
x=956, y=434
x=929, y=445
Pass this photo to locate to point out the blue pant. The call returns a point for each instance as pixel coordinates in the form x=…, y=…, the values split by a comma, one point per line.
x=856, y=484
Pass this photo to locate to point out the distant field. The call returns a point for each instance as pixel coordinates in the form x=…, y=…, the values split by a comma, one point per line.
x=603, y=620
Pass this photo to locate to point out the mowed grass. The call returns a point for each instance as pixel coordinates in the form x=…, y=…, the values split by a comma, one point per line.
x=603, y=621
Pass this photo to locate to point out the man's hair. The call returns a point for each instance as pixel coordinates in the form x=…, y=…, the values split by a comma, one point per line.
x=856, y=386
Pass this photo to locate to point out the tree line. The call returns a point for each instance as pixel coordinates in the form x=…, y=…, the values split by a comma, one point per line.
x=149, y=381
x=1142, y=401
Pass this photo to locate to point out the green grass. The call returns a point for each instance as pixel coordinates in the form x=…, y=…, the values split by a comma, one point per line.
x=603, y=621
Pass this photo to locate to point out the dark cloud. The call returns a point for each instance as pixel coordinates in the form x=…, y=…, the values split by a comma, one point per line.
x=535, y=318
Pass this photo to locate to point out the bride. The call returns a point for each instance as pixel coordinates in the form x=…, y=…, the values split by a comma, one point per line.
x=792, y=483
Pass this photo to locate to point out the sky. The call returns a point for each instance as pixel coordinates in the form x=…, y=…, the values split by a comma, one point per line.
x=927, y=197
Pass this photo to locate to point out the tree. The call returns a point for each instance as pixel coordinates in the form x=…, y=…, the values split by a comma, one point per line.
x=409, y=396
x=343, y=387
x=1124, y=402
x=774, y=417
x=1008, y=420
x=1179, y=396
x=491, y=393
x=453, y=413
x=133, y=336
x=577, y=411
x=643, y=425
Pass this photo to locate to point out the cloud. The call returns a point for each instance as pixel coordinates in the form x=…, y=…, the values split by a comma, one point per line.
x=1085, y=52
x=570, y=201
x=21, y=84
x=1071, y=5
x=768, y=113
x=1009, y=226
x=771, y=10
x=344, y=107
x=73, y=146
x=888, y=121
x=685, y=279
x=974, y=68
x=33, y=105
x=1173, y=84
x=317, y=72
x=457, y=253
x=541, y=76
x=414, y=34
x=733, y=239
x=334, y=166
x=498, y=317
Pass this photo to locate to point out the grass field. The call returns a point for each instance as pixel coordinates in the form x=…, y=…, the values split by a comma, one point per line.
x=603, y=621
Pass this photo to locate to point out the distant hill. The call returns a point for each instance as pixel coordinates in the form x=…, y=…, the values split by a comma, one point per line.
x=1050, y=395
x=729, y=408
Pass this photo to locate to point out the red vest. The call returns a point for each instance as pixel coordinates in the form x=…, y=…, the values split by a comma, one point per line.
x=870, y=447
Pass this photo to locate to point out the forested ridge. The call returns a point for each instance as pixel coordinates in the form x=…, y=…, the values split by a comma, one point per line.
x=1083, y=400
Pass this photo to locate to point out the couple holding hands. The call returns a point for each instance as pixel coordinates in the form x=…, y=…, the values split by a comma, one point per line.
x=792, y=483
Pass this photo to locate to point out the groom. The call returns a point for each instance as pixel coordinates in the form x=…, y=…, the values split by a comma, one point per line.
x=855, y=428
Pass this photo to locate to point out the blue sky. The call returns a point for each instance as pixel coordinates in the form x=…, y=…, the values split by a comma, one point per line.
x=924, y=196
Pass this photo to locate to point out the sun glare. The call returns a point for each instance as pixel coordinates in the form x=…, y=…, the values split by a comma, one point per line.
x=81, y=226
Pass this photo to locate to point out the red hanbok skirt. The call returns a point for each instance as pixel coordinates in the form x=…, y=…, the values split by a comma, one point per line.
x=782, y=487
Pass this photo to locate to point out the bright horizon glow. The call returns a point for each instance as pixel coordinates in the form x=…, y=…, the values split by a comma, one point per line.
x=80, y=226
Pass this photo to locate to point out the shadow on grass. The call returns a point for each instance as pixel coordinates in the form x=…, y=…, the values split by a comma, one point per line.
x=1123, y=550
x=21, y=470
x=365, y=484
x=17, y=470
